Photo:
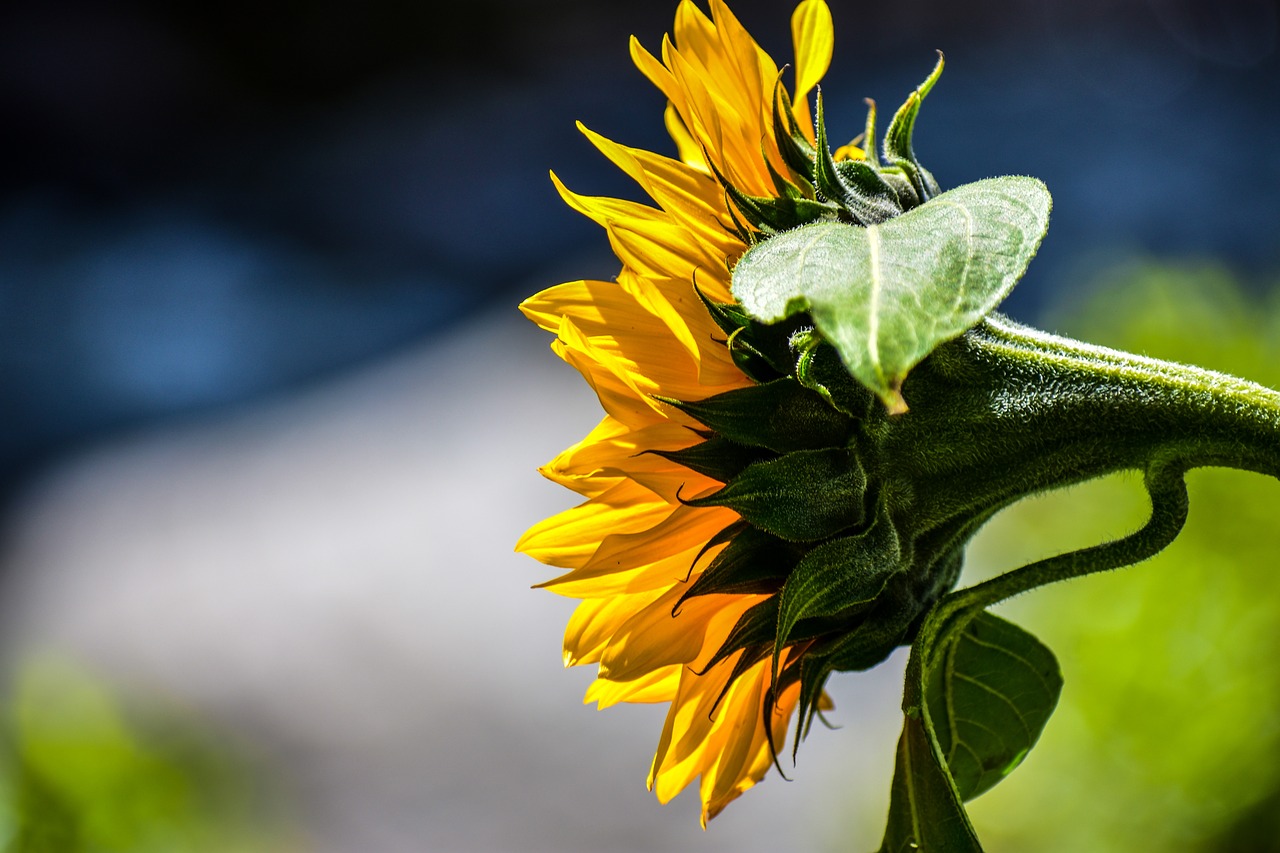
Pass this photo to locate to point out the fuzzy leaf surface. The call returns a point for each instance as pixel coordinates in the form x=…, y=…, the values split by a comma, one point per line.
x=886, y=295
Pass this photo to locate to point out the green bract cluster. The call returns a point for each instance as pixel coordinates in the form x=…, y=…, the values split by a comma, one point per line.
x=859, y=191
x=885, y=264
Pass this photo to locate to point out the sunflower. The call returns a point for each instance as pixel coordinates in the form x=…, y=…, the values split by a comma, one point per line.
x=679, y=574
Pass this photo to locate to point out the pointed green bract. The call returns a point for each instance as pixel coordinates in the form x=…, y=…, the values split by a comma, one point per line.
x=990, y=692
x=898, y=151
x=781, y=415
x=801, y=497
x=887, y=295
x=838, y=575
x=717, y=457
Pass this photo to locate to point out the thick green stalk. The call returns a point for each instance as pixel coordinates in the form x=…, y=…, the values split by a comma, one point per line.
x=1006, y=411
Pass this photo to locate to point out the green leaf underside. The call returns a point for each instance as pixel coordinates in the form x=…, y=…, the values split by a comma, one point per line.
x=886, y=295
x=990, y=693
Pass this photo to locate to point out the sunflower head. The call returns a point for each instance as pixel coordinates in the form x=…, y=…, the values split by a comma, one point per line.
x=745, y=530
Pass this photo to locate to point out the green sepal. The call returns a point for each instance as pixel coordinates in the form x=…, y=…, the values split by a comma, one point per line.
x=853, y=184
x=753, y=563
x=803, y=496
x=743, y=230
x=753, y=635
x=729, y=316
x=717, y=457
x=795, y=149
x=762, y=352
x=825, y=178
x=775, y=215
x=819, y=368
x=784, y=185
x=812, y=672
x=726, y=534
x=869, y=136
x=903, y=189
x=838, y=576
x=781, y=415
x=878, y=632
x=990, y=690
x=757, y=366
x=898, y=150
x=867, y=195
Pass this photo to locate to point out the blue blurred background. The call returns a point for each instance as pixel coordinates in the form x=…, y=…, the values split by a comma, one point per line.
x=237, y=232
x=206, y=206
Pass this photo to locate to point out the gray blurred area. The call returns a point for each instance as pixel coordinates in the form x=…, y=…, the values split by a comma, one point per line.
x=330, y=577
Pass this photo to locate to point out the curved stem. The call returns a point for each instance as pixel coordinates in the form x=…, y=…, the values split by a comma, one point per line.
x=1167, y=488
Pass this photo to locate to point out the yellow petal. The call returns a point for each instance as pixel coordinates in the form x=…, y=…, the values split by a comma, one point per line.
x=568, y=539
x=613, y=450
x=631, y=338
x=687, y=148
x=655, y=637
x=623, y=392
x=813, y=37
x=596, y=583
x=595, y=620
x=657, y=686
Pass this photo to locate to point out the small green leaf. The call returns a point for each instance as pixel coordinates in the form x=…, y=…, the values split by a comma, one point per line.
x=887, y=295
x=989, y=688
x=990, y=692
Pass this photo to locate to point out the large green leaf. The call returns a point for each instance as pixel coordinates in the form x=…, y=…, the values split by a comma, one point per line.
x=886, y=295
x=990, y=692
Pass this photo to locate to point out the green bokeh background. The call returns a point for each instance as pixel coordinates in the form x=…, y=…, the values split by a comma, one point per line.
x=1168, y=731
x=80, y=773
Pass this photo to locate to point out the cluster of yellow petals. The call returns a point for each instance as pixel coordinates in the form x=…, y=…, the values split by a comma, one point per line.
x=627, y=551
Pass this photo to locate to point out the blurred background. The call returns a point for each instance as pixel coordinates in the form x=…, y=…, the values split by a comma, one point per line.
x=272, y=421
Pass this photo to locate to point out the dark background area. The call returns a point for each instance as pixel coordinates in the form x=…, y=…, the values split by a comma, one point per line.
x=201, y=207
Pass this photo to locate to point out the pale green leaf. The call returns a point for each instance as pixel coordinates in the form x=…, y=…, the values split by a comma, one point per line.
x=886, y=295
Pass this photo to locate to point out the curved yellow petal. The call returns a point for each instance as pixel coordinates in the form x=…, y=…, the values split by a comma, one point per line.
x=568, y=539
x=596, y=620
x=814, y=38
x=657, y=686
